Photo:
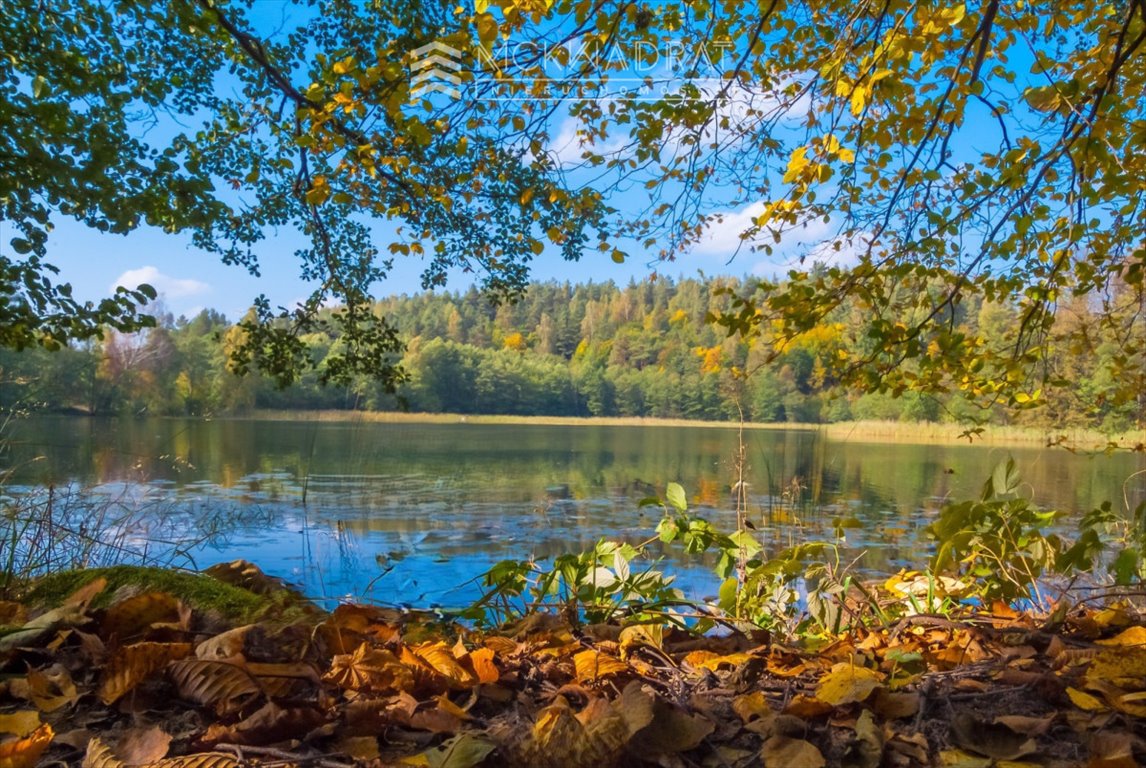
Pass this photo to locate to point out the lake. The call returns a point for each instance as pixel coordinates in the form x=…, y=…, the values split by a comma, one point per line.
x=405, y=513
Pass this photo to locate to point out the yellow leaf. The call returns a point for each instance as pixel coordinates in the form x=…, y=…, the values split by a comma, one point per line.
x=859, y=100
x=372, y=669
x=1135, y=635
x=846, y=683
x=796, y=165
x=592, y=665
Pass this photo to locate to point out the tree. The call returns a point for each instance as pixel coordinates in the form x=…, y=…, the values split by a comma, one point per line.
x=949, y=151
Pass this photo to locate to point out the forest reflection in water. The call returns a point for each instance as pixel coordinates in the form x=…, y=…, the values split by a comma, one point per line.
x=412, y=513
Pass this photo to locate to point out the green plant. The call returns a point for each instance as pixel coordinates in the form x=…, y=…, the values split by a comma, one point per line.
x=996, y=543
x=598, y=585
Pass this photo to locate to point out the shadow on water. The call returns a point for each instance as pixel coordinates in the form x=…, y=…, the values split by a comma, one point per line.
x=406, y=513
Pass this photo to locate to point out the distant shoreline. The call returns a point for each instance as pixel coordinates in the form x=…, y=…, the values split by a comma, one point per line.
x=861, y=431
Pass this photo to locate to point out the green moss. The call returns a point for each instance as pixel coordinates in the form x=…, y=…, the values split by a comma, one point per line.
x=202, y=592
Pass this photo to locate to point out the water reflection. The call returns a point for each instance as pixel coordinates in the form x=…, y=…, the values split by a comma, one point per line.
x=404, y=513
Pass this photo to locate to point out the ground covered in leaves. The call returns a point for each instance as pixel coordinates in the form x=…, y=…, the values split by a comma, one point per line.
x=133, y=676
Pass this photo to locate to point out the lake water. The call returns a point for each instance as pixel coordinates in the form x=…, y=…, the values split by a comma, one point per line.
x=412, y=513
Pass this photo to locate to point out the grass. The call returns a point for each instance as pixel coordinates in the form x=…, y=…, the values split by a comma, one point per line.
x=857, y=431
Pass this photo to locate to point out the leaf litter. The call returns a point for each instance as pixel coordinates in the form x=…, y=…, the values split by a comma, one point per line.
x=149, y=681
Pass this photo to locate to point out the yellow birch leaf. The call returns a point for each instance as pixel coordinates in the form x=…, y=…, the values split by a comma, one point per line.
x=593, y=665
x=1085, y=701
x=846, y=683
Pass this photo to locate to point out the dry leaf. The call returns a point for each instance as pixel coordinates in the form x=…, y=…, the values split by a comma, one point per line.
x=1112, y=750
x=1131, y=636
x=592, y=665
x=957, y=758
x=751, y=705
x=990, y=739
x=895, y=706
x=52, y=689
x=807, y=707
x=227, y=645
x=671, y=730
x=132, y=664
x=224, y=685
x=444, y=670
x=267, y=725
x=1028, y=726
x=20, y=723
x=141, y=746
x=786, y=752
x=463, y=751
x=370, y=669
x=364, y=748
x=867, y=750
x=1085, y=701
x=483, y=667
x=24, y=751
x=847, y=683
x=128, y=618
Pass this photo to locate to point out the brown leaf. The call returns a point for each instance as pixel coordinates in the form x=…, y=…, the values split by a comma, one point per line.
x=52, y=689
x=141, y=746
x=12, y=614
x=895, y=706
x=750, y=706
x=990, y=739
x=267, y=725
x=1111, y=750
x=82, y=597
x=364, y=748
x=133, y=616
x=867, y=750
x=132, y=664
x=671, y=731
x=363, y=716
x=807, y=707
x=99, y=755
x=791, y=753
x=1028, y=726
x=222, y=684
x=227, y=645
x=370, y=669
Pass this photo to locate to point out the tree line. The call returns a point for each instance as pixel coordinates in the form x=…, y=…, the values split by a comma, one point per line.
x=647, y=349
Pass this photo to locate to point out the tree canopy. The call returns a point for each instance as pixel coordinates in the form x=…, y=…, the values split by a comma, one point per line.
x=943, y=151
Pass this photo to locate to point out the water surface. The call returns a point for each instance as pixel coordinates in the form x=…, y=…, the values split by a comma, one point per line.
x=412, y=513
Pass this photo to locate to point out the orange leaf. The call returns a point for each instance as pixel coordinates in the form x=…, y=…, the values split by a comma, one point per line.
x=221, y=684
x=371, y=669
x=133, y=616
x=484, y=668
x=25, y=751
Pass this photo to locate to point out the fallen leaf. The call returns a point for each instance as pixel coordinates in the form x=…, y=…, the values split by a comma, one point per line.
x=672, y=730
x=592, y=665
x=867, y=750
x=990, y=739
x=24, y=751
x=131, y=617
x=1085, y=701
x=372, y=669
x=807, y=707
x=846, y=683
x=437, y=667
x=141, y=746
x=226, y=645
x=751, y=705
x=463, y=751
x=269, y=724
x=1028, y=726
x=1131, y=636
x=1111, y=750
x=52, y=689
x=363, y=748
x=224, y=685
x=636, y=635
x=483, y=667
x=895, y=706
x=957, y=758
x=791, y=753
x=132, y=664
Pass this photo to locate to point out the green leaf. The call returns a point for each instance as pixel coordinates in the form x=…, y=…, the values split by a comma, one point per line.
x=675, y=496
x=463, y=751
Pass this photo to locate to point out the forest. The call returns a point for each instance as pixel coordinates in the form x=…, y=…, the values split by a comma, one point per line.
x=652, y=348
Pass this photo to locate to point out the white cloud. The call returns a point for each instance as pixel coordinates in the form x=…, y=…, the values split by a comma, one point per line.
x=722, y=237
x=165, y=285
